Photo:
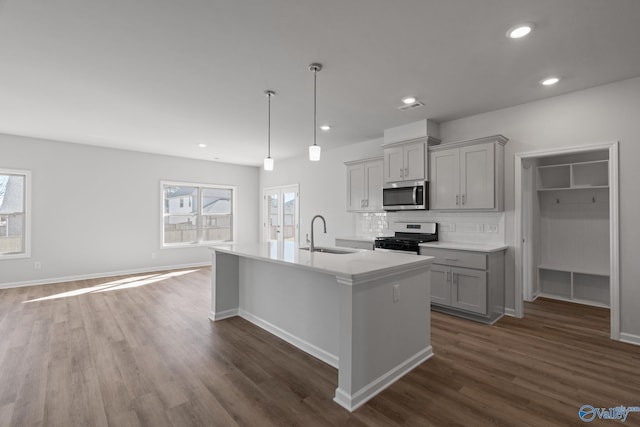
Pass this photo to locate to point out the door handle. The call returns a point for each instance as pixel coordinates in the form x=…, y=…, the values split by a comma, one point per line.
x=415, y=195
x=406, y=171
x=451, y=259
x=463, y=197
x=448, y=276
x=401, y=172
x=457, y=199
x=455, y=278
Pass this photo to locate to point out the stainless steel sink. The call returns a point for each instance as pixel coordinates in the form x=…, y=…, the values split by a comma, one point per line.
x=330, y=250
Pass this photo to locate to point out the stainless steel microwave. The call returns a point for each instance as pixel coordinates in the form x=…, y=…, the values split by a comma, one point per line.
x=401, y=196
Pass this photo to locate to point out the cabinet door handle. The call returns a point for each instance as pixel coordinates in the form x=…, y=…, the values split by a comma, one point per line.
x=366, y=203
x=406, y=171
x=448, y=276
x=457, y=199
x=463, y=197
x=455, y=278
x=451, y=259
x=401, y=172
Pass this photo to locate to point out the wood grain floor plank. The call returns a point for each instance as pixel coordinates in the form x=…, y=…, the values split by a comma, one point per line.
x=139, y=351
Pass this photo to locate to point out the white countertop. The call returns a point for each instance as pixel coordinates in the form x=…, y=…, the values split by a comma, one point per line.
x=357, y=265
x=475, y=247
x=367, y=239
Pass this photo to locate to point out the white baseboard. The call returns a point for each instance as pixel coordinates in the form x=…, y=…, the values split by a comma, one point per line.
x=360, y=397
x=53, y=280
x=303, y=345
x=510, y=312
x=630, y=338
x=223, y=314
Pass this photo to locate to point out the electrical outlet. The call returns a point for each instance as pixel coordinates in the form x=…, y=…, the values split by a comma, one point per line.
x=396, y=293
x=37, y=265
x=491, y=228
x=479, y=228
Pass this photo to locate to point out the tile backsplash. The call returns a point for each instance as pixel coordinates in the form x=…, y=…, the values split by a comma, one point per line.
x=372, y=224
x=478, y=227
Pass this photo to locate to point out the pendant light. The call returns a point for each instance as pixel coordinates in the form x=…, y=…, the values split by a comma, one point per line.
x=268, y=161
x=314, y=150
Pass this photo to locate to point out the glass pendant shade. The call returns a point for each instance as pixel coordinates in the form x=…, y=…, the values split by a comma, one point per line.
x=314, y=153
x=268, y=164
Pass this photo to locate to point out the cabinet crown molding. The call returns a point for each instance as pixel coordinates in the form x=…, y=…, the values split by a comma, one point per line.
x=500, y=139
x=429, y=140
x=369, y=159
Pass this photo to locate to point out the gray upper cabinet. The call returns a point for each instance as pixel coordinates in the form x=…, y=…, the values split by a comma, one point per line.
x=364, y=185
x=468, y=175
x=405, y=151
x=405, y=162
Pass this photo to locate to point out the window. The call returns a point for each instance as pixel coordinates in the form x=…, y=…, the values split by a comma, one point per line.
x=197, y=214
x=14, y=213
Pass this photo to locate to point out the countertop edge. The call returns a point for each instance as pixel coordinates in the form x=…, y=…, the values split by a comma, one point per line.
x=469, y=247
x=341, y=277
x=357, y=238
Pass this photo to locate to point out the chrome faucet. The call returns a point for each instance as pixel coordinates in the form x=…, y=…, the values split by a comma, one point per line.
x=312, y=246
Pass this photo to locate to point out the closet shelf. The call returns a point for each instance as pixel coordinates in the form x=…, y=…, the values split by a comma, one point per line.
x=581, y=187
x=570, y=176
x=593, y=271
x=574, y=285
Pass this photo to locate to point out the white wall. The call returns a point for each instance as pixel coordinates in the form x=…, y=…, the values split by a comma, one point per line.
x=605, y=113
x=97, y=210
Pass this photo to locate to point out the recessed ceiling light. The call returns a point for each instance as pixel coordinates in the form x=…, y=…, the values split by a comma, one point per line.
x=519, y=31
x=409, y=99
x=325, y=128
x=201, y=145
x=549, y=81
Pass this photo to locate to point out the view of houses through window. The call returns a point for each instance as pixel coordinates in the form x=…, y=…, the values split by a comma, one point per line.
x=197, y=213
x=12, y=213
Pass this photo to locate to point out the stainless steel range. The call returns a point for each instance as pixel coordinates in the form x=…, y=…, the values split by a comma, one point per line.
x=408, y=236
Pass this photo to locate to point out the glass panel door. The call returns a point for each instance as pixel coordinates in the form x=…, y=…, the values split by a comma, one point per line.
x=272, y=223
x=281, y=214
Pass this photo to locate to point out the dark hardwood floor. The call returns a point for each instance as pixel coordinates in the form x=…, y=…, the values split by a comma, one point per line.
x=139, y=350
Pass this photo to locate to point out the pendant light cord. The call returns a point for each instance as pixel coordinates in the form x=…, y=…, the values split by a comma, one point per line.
x=315, y=103
x=269, y=127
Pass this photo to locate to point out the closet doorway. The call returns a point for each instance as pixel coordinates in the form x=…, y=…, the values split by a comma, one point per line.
x=566, y=224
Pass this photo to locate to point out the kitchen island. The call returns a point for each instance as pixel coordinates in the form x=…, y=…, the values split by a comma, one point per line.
x=365, y=313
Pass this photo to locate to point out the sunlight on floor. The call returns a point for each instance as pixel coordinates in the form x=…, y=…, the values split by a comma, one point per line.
x=116, y=285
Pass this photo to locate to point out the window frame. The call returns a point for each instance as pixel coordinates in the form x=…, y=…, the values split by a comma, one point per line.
x=27, y=214
x=200, y=186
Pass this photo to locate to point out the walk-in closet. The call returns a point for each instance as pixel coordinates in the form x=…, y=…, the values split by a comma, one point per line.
x=570, y=225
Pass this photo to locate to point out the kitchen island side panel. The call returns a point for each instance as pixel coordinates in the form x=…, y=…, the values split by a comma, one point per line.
x=301, y=302
x=224, y=286
x=389, y=334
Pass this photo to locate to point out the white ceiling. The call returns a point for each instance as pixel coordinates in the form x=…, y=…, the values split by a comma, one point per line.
x=162, y=76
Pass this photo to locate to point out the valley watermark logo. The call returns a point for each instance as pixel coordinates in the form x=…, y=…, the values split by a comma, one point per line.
x=588, y=413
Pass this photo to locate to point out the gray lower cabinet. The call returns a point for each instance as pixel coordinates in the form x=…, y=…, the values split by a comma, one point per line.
x=469, y=290
x=467, y=284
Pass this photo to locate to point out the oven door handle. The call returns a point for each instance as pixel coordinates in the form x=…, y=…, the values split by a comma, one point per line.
x=415, y=195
